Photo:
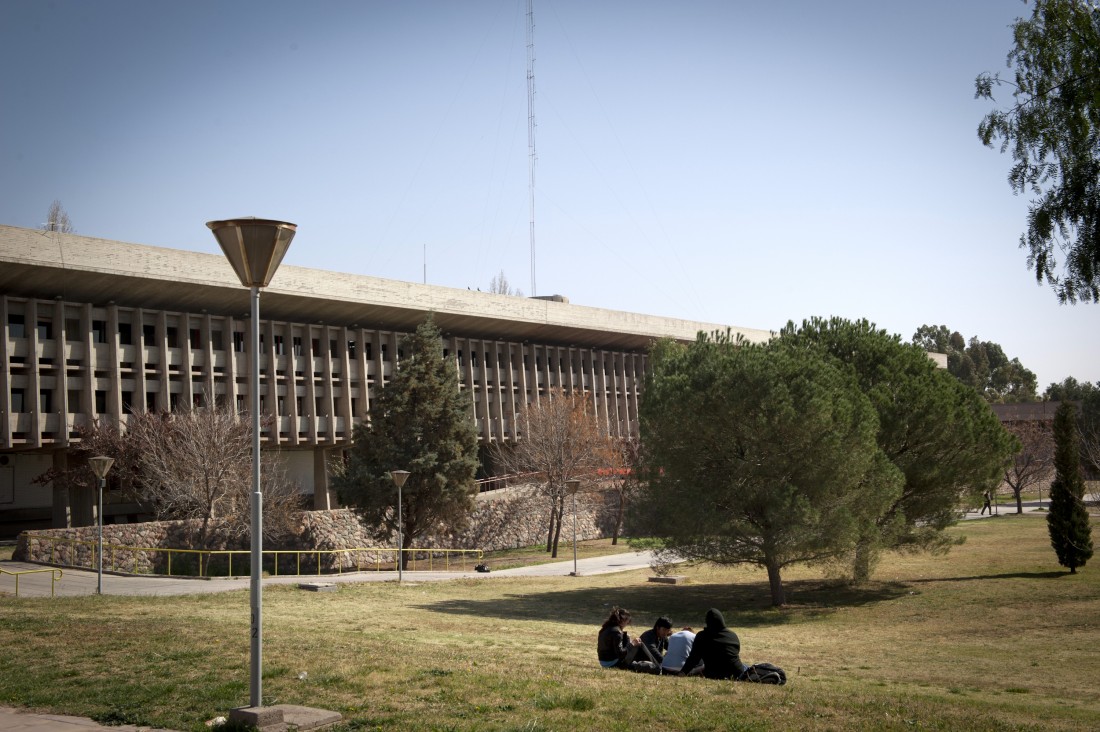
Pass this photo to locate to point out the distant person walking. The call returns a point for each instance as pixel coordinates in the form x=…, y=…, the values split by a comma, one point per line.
x=988, y=505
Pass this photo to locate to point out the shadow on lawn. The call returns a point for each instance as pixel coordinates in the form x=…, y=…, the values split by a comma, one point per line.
x=1007, y=575
x=744, y=606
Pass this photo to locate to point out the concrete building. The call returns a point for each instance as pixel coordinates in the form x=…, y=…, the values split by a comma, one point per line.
x=96, y=329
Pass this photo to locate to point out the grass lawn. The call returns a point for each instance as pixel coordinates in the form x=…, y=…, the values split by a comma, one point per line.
x=993, y=636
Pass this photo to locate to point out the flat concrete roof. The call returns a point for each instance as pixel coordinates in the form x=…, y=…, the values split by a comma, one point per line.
x=47, y=265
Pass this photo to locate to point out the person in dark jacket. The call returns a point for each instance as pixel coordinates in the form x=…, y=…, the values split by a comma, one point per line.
x=717, y=648
x=616, y=649
x=656, y=639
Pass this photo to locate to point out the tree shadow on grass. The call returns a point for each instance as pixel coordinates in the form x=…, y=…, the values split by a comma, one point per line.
x=743, y=606
x=1054, y=574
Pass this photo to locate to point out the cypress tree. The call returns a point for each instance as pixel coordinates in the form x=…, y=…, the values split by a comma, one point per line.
x=1068, y=520
x=419, y=422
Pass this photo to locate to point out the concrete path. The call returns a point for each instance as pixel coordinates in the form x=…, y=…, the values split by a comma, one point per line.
x=15, y=720
x=78, y=582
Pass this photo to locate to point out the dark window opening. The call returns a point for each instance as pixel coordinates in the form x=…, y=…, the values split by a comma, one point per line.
x=72, y=329
x=16, y=326
x=125, y=334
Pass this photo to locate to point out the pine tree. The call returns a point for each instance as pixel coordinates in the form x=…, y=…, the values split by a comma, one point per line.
x=420, y=422
x=1068, y=520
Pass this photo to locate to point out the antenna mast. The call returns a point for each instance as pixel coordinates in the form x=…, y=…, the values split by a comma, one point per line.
x=532, y=157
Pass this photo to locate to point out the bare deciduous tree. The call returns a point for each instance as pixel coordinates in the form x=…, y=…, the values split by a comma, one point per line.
x=1035, y=461
x=193, y=464
x=197, y=464
x=625, y=462
x=561, y=441
x=58, y=219
x=499, y=285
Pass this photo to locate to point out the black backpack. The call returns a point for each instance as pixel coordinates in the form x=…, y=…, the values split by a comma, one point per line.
x=764, y=673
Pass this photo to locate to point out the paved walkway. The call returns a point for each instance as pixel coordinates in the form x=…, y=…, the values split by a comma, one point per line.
x=78, y=582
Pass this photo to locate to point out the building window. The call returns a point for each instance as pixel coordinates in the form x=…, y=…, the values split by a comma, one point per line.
x=150, y=401
x=16, y=326
x=74, y=401
x=100, y=401
x=173, y=402
x=196, y=338
x=216, y=340
x=238, y=341
x=333, y=349
x=127, y=402
x=351, y=349
x=45, y=401
x=297, y=344
x=149, y=333
x=125, y=334
x=72, y=329
x=17, y=404
x=279, y=345
x=99, y=331
x=45, y=330
x=172, y=335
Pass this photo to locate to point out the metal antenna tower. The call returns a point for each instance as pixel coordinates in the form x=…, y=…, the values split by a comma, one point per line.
x=532, y=156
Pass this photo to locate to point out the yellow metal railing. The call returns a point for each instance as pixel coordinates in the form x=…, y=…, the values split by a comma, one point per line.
x=68, y=552
x=56, y=575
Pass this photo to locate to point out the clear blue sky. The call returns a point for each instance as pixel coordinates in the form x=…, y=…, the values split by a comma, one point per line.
x=732, y=162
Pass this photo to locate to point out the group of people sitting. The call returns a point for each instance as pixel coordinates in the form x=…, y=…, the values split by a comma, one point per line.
x=714, y=652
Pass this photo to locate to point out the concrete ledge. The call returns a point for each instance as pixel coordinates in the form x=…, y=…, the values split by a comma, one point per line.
x=282, y=717
x=317, y=586
x=670, y=579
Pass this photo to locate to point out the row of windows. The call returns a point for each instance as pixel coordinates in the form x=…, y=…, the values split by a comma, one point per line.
x=45, y=402
x=17, y=329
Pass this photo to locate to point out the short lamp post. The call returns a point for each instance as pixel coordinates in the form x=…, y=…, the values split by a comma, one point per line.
x=399, y=478
x=255, y=248
x=100, y=466
x=573, y=486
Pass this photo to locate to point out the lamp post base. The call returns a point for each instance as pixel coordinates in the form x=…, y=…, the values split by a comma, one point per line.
x=281, y=717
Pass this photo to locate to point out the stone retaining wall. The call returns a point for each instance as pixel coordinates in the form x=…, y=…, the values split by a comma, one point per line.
x=504, y=519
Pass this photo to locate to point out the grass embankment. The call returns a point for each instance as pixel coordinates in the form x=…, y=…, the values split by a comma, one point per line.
x=993, y=636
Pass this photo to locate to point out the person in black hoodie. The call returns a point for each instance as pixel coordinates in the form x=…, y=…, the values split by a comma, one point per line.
x=717, y=648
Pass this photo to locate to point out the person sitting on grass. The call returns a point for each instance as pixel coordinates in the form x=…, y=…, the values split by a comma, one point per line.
x=679, y=648
x=616, y=649
x=717, y=648
x=655, y=639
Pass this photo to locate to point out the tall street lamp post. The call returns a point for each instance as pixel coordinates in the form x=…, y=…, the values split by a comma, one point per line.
x=573, y=486
x=254, y=248
x=399, y=478
x=100, y=466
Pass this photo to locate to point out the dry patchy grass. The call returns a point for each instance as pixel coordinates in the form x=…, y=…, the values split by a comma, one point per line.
x=992, y=636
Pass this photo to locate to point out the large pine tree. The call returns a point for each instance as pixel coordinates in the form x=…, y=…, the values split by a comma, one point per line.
x=420, y=422
x=1068, y=520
